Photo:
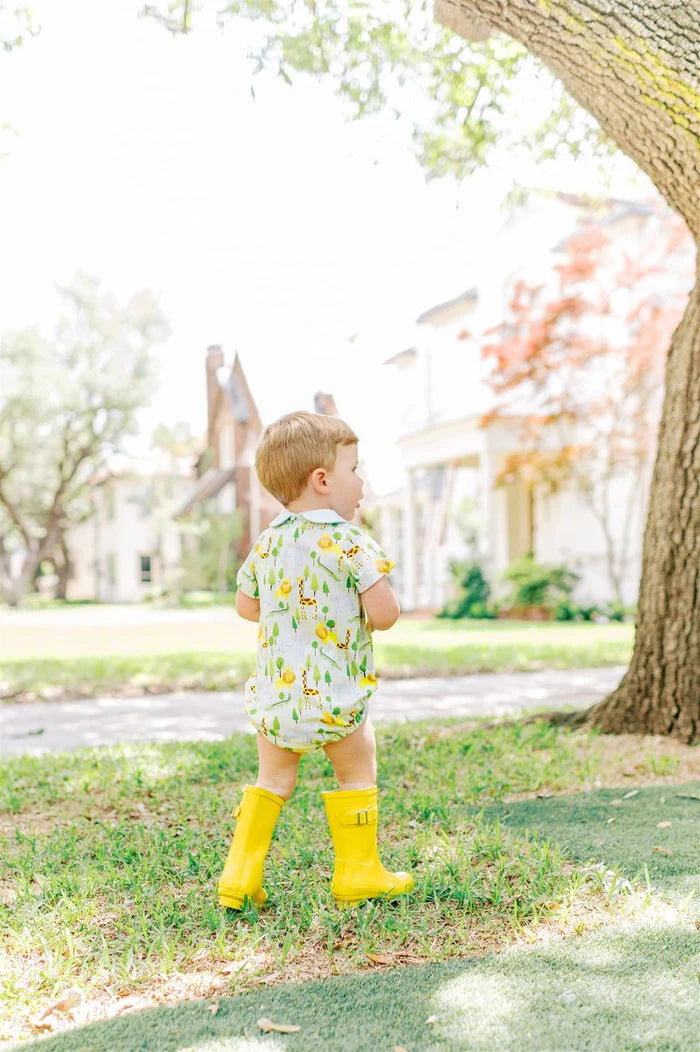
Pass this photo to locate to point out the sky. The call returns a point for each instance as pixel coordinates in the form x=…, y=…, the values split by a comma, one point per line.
x=267, y=223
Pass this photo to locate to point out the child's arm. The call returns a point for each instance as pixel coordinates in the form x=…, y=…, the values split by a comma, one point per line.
x=381, y=605
x=247, y=607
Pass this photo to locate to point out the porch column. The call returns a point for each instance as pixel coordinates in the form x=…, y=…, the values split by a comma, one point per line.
x=409, y=543
x=487, y=539
x=494, y=516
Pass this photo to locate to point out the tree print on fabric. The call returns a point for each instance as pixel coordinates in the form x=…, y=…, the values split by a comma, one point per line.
x=315, y=665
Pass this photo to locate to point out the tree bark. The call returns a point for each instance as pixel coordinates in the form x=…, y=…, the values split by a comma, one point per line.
x=636, y=68
x=660, y=692
x=64, y=567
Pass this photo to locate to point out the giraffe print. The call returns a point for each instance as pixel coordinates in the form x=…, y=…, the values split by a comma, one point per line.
x=345, y=646
x=349, y=553
x=305, y=602
x=317, y=630
x=309, y=692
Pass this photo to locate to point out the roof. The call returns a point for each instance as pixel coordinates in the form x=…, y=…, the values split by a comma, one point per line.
x=470, y=296
x=619, y=211
x=236, y=397
x=403, y=357
x=211, y=483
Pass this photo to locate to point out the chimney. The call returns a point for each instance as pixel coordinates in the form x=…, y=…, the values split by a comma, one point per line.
x=325, y=404
x=215, y=359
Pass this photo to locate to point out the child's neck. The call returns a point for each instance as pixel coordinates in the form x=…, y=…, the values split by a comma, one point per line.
x=309, y=502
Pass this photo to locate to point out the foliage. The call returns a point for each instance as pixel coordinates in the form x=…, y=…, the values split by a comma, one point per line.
x=68, y=402
x=473, y=593
x=537, y=584
x=210, y=560
x=567, y=610
x=585, y=352
x=176, y=443
x=393, y=56
x=202, y=598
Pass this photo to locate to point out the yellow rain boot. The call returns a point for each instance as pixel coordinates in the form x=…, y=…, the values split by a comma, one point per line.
x=358, y=873
x=256, y=818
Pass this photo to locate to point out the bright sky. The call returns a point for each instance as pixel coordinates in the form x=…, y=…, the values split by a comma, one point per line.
x=270, y=225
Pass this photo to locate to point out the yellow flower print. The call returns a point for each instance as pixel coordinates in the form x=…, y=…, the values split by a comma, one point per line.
x=368, y=681
x=284, y=589
x=332, y=721
x=286, y=679
x=325, y=634
x=384, y=565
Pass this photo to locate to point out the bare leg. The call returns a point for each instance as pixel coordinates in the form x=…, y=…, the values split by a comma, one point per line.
x=277, y=768
x=354, y=758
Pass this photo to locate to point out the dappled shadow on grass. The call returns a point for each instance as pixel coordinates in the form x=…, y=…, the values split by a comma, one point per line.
x=607, y=992
x=118, y=885
x=650, y=833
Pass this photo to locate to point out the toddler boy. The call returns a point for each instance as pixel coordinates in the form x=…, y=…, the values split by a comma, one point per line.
x=314, y=673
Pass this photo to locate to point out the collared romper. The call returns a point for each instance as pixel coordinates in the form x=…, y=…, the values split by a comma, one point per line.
x=315, y=665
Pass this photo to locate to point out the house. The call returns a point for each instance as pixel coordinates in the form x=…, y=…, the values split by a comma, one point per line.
x=454, y=466
x=227, y=481
x=128, y=548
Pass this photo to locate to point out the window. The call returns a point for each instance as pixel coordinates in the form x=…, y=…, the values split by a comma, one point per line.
x=145, y=569
x=111, y=569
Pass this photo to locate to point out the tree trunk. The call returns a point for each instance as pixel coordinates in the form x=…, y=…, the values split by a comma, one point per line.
x=636, y=68
x=660, y=692
x=64, y=568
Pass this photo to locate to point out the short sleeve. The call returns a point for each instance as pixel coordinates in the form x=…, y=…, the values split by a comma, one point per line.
x=364, y=561
x=246, y=578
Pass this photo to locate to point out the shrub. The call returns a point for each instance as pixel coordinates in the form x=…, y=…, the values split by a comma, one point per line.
x=538, y=584
x=567, y=610
x=614, y=610
x=474, y=591
x=210, y=560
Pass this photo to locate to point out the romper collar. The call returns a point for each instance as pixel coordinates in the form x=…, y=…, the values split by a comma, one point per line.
x=317, y=515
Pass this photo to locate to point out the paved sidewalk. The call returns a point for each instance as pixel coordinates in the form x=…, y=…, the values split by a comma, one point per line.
x=39, y=727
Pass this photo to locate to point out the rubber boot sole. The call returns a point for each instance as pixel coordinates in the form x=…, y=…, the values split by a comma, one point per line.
x=393, y=893
x=237, y=902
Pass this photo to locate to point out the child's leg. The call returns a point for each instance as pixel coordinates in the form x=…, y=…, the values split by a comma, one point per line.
x=256, y=817
x=277, y=768
x=352, y=817
x=354, y=758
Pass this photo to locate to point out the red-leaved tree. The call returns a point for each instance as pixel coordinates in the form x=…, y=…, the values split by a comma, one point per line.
x=585, y=354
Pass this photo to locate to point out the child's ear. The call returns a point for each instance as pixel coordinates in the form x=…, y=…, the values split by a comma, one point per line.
x=319, y=480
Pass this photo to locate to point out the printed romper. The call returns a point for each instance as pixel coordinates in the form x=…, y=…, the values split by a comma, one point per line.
x=315, y=666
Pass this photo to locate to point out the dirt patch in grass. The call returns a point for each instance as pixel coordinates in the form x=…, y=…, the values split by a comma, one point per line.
x=634, y=758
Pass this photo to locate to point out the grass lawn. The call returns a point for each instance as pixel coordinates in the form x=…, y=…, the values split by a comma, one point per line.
x=108, y=898
x=609, y=991
x=183, y=655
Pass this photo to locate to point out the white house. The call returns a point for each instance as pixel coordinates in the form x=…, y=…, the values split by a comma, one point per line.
x=440, y=382
x=129, y=546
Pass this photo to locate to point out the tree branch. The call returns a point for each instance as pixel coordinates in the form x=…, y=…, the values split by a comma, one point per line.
x=635, y=67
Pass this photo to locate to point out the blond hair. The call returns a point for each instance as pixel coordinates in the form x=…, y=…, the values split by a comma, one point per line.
x=294, y=446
